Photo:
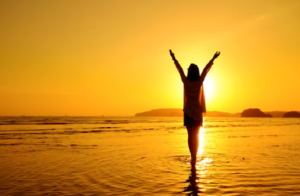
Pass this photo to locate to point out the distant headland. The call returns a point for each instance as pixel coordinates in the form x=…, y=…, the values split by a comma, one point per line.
x=252, y=112
x=292, y=115
x=174, y=112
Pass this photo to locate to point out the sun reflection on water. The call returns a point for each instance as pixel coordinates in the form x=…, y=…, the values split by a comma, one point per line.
x=201, y=141
x=201, y=170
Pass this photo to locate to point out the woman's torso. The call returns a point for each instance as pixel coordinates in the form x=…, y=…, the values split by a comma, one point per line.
x=194, y=101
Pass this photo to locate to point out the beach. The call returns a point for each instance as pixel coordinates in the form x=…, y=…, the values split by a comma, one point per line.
x=148, y=156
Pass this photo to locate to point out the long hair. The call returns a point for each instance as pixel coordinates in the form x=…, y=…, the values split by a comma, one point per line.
x=193, y=73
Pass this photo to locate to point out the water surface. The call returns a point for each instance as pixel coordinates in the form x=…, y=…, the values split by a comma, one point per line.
x=148, y=156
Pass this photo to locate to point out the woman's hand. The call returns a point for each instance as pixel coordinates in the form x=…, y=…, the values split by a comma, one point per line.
x=216, y=55
x=172, y=55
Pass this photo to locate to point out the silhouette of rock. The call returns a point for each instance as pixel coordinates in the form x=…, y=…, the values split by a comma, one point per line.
x=292, y=114
x=254, y=112
x=162, y=112
x=277, y=114
x=174, y=112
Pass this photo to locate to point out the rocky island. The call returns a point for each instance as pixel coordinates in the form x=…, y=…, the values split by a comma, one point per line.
x=292, y=114
x=254, y=112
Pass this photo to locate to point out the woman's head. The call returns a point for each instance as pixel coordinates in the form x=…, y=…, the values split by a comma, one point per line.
x=193, y=73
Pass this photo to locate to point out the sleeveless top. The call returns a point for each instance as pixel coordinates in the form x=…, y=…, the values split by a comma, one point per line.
x=194, y=99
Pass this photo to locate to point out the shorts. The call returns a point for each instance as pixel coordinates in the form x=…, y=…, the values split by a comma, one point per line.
x=188, y=121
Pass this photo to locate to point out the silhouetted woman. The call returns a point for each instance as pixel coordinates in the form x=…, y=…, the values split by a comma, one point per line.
x=194, y=101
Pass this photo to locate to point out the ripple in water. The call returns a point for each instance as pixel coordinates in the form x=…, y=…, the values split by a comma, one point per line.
x=149, y=157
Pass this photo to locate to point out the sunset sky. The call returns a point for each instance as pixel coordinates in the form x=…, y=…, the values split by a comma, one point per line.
x=101, y=57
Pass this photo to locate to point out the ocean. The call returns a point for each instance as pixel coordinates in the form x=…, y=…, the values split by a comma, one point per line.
x=148, y=156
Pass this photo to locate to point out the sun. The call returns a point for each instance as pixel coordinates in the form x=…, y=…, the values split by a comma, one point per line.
x=208, y=88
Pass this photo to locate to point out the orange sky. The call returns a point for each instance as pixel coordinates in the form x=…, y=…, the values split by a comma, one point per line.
x=101, y=57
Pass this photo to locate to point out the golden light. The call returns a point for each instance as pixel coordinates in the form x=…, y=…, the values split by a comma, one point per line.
x=208, y=87
x=203, y=164
x=201, y=140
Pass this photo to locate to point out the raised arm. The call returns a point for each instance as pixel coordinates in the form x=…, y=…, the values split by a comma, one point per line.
x=208, y=66
x=179, y=68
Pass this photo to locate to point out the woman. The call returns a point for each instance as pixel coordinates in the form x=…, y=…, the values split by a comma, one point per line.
x=194, y=101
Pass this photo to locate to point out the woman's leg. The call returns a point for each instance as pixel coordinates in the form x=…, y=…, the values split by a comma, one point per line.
x=193, y=141
x=190, y=141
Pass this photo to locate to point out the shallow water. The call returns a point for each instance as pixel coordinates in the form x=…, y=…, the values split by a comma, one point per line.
x=148, y=156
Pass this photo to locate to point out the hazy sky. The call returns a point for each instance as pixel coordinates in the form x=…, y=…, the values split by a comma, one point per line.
x=105, y=57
